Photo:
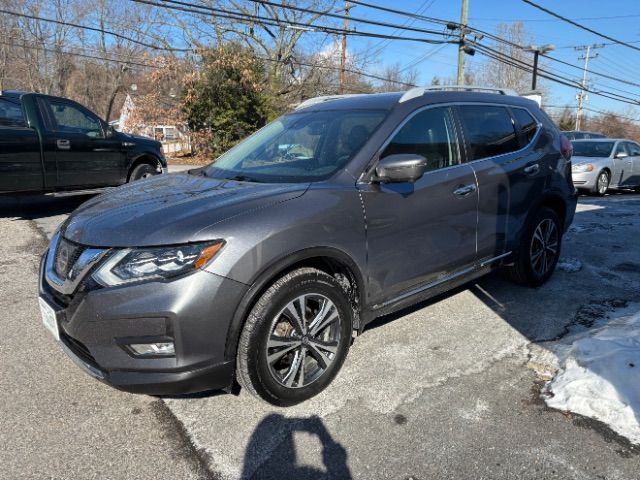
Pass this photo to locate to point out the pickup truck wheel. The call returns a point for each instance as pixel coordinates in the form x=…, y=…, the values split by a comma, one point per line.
x=144, y=170
x=539, y=250
x=295, y=338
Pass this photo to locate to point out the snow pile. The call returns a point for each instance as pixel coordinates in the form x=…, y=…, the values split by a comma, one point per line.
x=600, y=376
x=570, y=265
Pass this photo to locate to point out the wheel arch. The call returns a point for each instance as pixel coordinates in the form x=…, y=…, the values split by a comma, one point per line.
x=144, y=157
x=330, y=260
x=556, y=203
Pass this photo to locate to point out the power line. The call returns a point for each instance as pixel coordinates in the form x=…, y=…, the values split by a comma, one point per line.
x=579, y=25
x=66, y=52
x=338, y=16
x=246, y=18
x=93, y=29
x=382, y=44
x=538, y=20
x=521, y=65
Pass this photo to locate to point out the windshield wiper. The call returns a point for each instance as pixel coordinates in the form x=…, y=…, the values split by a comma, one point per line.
x=243, y=178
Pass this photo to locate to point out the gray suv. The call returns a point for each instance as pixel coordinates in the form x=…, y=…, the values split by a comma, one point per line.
x=260, y=268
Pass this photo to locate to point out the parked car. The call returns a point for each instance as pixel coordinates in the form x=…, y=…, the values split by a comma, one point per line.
x=581, y=135
x=262, y=266
x=602, y=164
x=52, y=144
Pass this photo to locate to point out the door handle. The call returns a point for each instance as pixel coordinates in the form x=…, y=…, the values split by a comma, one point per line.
x=532, y=169
x=464, y=190
x=63, y=144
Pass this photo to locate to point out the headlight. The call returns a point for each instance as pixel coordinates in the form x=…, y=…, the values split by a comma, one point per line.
x=585, y=167
x=134, y=265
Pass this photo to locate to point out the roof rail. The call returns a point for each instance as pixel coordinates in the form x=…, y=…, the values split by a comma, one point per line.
x=326, y=98
x=419, y=91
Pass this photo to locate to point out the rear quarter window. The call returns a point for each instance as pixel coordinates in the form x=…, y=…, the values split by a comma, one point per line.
x=11, y=114
x=526, y=124
x=490, y=131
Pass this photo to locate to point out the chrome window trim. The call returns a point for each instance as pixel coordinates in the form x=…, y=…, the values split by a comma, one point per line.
x=87, y=259
x=506, y=106
x=367, y=171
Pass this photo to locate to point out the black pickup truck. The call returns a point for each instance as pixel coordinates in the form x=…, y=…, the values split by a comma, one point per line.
x=52, y=144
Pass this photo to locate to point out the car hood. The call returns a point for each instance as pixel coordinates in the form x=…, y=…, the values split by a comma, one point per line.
x=578, y=160
x=169, y=209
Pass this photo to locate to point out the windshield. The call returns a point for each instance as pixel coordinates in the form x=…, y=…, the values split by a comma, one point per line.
x=592, y=149
x=299, y=147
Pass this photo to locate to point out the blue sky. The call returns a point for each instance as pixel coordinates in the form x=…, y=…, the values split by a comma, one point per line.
x=618, y=61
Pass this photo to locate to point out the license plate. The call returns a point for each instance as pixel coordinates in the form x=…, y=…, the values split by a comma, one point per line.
x=49, y=318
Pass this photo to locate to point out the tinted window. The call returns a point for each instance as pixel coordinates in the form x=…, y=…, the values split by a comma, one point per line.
x=621, y=148
x=71, y=119
x=429, y=133
x=527, y=125
x=299, y=147
x=592, y=149
x=10, y=114
x=489, y=130
x=634, y=149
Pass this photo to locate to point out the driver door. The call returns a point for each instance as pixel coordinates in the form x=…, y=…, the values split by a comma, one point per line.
x=76, y=140
x=423, y=233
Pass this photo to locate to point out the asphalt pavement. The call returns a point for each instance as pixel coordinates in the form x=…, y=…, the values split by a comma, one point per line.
x=448, y=389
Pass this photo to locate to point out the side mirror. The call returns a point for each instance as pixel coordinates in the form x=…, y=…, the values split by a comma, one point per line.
x=400, y=168
x=621, y=155
x=109, y=132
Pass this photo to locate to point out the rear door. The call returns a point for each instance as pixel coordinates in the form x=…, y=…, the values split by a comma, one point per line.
x=510, y=176
x=20, y=160
x=634, y=151
x=423, y=232
x=77, y=140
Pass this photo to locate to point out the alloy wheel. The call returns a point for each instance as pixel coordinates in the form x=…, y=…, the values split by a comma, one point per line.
x=544, y=247
x=603, y=183
x=303, y=340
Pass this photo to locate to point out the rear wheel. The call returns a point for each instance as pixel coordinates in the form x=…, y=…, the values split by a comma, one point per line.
x=295, y=339
x=602, y=183
x=144, y=170
x=539, y=249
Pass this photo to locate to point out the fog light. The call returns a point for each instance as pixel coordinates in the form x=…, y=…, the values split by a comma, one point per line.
x=151, y=349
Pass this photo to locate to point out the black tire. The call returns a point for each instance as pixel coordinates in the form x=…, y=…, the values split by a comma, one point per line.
x=144, y=170
x=602, y=183
x=271, y=322
x=528, y=268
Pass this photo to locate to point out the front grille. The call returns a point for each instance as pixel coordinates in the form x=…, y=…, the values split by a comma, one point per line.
x=78, y=348
x=67, y=255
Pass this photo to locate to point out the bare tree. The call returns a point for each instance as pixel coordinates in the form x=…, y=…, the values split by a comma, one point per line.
x=274, y=37
x=496, y=73
x=396, y=79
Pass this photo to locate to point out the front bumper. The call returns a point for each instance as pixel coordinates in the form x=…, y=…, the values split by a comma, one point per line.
x=585, y=180
x=194, y=312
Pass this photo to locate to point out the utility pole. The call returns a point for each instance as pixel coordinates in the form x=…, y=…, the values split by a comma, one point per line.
x=463, y=31
x=582, y=95
x=343, y=50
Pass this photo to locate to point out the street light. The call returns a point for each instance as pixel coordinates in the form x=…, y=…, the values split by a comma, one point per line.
x=536, y=52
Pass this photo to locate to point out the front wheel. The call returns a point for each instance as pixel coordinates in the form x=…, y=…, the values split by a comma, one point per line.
x=539, y=249
x=296, y=338
x=602, y=184
x=144, y=170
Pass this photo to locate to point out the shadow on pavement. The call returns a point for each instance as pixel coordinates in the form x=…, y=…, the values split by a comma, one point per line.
x=33, y=207
x=333, y=454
